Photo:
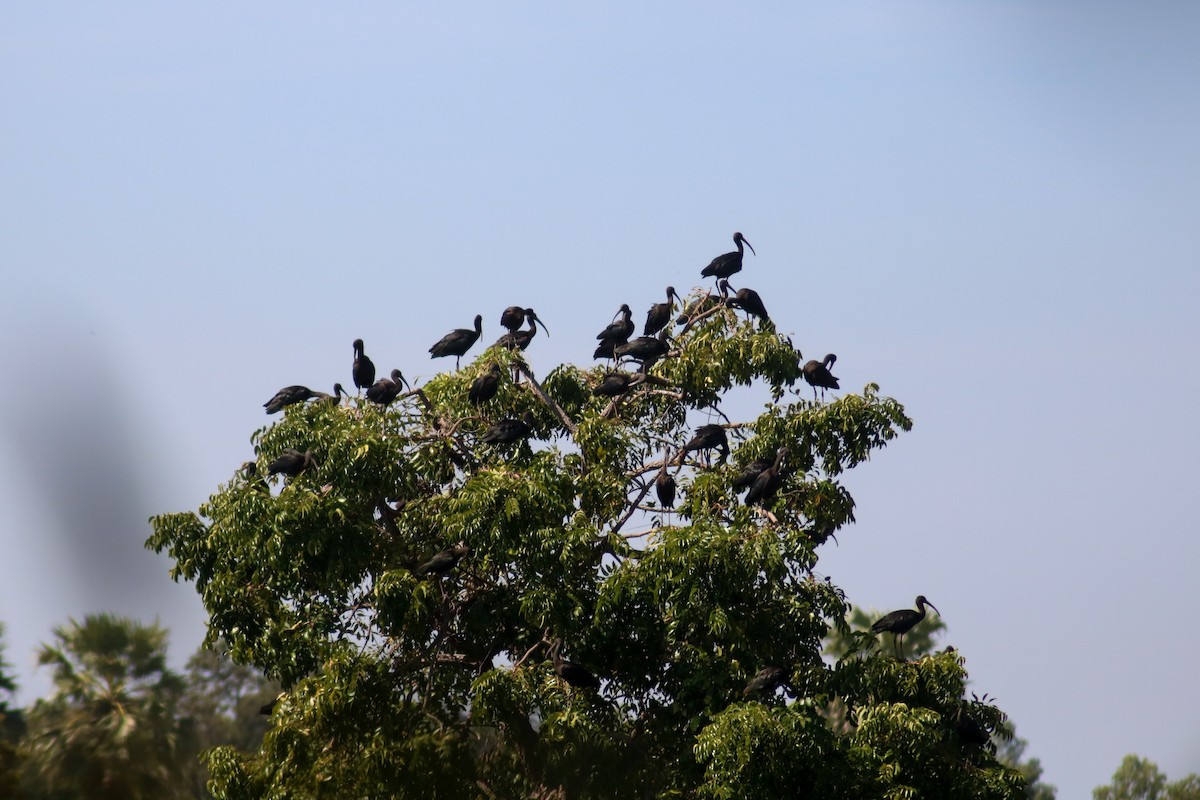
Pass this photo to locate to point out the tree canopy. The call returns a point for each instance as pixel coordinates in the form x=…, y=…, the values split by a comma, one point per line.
x=455, y=611
x=1140, y=779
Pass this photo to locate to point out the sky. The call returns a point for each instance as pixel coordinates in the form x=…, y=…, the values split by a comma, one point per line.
x=991, y=209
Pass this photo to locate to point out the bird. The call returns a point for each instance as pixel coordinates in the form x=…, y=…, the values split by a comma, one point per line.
x=750, y=473
x=512, y=318
x=519, y=340
x=291, y=395
x=817, y=375
x=646, y=350
x=250, y=473
x=291, y=463
x=509, y=430
x=767, y=482
x=363, y=370
x=969, y=730
x=767, y=679
x=385, y=390
x=698, y=307
x=901, y=622
x=618, y=331
x=707, y=437
x=664, y=487
x=484, y=387
x=660, y=313
x=573, y=674
x=444, y=561
x=605, y=349
x=725, y=265
x=747, y=300
x=458, y=341
x=616, y=384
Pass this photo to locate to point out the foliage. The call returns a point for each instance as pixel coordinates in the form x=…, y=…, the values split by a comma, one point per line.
x=1140, y=779
x=110, y=728
x=12, y=727
x=1012, y=753
x=404, y=684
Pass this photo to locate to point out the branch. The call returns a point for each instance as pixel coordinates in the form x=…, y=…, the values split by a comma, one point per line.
x=540, y=392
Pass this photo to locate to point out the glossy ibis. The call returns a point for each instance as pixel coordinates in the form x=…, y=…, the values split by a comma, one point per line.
x=386, y=390
x=291, y=395
x=512, y=318
x=817, y=375
x=619, y=331
x=484, y=387
x=901, y=622
x=616, y=384
x=509, y=430
x=725, y=265
x=458, y=341
x=750, y=473
x=664, y=487
x=291, y=463
x=519, y=340
x=699, y=306
x=646, y=350
x=767, y=483
x=444, y=561
x=767, y=679
x=747, y=300
x=573, y=674
x=363, y=369
x=660, y=313
x=708, y=437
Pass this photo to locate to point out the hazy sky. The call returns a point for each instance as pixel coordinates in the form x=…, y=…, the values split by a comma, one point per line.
x=992, y=209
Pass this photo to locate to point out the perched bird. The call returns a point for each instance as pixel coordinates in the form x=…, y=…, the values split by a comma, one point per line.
x=767, y=679
x=291, y=395
x=817, y=375
x=444, y=561
x=458, y=341
x=363, y=370
x=619, y=331
x=512, y=318
x=969, y=730
x=386, y=390
x=571, y=672
x=616, y=384
x=484, y=387
x=901, y=622
x=750, y=473
x=605, y=349
x=250, y=473
x=660, y=313
x=698, y=307
x=509, y=430
x=768, y=481
x=664, y=487
x=291, y=463
x=646, y=350
x=519, y=340
x=707, y=437
x=725, y=265
x=747, y=300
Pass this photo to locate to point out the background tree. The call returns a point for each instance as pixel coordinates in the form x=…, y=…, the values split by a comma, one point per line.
x=12, y=728
x=1140, y=779
x=476, y=680
x=110, y=729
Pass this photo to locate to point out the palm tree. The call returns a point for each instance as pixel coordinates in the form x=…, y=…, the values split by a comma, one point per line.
x=110, y=729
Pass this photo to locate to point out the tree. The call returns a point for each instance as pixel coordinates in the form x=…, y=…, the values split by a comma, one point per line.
x=110, y=728
x=1140, y=779
x=12, y=728
x=475, y=678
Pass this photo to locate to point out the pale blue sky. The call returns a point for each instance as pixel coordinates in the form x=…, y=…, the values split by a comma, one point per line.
x=992, y=209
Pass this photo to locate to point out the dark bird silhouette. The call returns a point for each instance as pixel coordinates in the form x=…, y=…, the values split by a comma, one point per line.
x=519, y=340
x=660, y=313
x=444, y=561
x=386, y=390
x=512, y=318
x=616, y=384
x=484, y=387
x=572, y=673
x=699, y=306
x=901, y=622
x=767, y=679
x=664, y=487
x=817, y=375
x=605, y=349
x=250, y=473
x=619, y=331
x=707, y=437
x=646, y=350
x=291, y=463
x=291, y=395
x=750, y=473
x=363, y=369
x=767, y=483
x=458, y=341
x=725, y=265
x=509, y=430
x=969, y=730
x=747, y=300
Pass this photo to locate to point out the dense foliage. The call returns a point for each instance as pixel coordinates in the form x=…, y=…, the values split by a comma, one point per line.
x=406, y=680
